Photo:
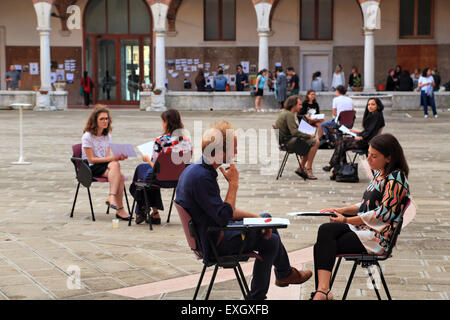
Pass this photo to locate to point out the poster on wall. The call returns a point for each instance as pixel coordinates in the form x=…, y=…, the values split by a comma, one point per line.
x=34, y=68
x=245, y=66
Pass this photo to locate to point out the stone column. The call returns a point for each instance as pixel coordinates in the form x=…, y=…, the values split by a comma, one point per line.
x=372, y=18
x=263, y=15
x=43, y=11
x=159, y=12
x=369, y=61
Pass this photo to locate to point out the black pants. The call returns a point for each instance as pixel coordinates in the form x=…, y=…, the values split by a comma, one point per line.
x=334, y=239
x=272, y=252
x=87, y=98
x=342, y=146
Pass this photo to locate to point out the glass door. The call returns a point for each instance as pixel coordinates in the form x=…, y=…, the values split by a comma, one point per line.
x=130, y=69
x=106, y=70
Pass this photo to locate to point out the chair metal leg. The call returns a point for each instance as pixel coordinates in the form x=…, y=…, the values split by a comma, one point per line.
x=286, y=157
x=383, y=281
x=199, y=282
x=350, y=280
x=243, y=279
x=90, y=202
x=238, y=278
x=283, y=163
x=374, y=284
x=335, y=272
x=75, y=200
x=131, y=213
x=212, y=282
x=171, y=203
x=126, y=199
x=147, y=210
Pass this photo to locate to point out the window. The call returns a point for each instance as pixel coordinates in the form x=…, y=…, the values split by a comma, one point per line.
x=316, y=19
x=219, y=20
x=117, y=17
x=416, y=18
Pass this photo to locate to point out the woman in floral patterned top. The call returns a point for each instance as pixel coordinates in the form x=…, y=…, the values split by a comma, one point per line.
x=368, y=227
x=172, y=140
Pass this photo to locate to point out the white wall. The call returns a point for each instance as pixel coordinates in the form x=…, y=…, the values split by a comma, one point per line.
x=19, y=19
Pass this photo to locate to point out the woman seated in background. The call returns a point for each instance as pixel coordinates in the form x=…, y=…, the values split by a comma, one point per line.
x=309, y=108
x=373, y=121
x=368, y=227
x=95, y=148
x=172, y=140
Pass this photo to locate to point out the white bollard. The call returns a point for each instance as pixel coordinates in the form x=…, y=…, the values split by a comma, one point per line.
x=20, y=106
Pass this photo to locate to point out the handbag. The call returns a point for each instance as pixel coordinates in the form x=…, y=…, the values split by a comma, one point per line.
x=253, y=92
x=347, y=172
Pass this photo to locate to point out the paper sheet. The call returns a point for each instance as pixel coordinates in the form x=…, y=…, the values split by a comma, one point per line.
x=147, y=148
x=319, y=116
x=305, y=127
x=309, y=213
x=125, y=149
x=346, y=130
x=265, y=221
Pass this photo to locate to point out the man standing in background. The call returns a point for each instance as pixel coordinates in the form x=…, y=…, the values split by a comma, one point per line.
x=13, y=80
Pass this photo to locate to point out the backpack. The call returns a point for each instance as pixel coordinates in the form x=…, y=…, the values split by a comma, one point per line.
x=347, y=172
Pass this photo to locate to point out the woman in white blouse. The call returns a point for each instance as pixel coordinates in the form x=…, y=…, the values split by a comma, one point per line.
x=96, y=149
x=426, y=86
x=338, y=78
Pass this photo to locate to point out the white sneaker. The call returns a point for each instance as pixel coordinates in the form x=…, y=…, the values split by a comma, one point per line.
x=426, y=116
x=435, y=115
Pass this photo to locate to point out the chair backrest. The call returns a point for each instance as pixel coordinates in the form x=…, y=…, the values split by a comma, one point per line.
x=189, y=230
x=398, y=228
x=166, y=169
x=76, y=150
x=82, y=170
x=347, y=118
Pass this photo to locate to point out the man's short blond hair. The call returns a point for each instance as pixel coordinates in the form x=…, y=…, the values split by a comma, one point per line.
x=215, y=138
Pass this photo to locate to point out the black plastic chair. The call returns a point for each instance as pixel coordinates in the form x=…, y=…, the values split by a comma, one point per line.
x=368, y=260
x=165, y=175
x=84, y=177
x=283, y=147
x=226, y=262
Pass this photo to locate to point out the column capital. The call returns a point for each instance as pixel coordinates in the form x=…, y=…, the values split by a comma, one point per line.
x=43, y=12
x=371, y=14
x=159, y=13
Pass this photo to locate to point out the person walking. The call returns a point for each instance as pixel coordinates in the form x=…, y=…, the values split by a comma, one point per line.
x=87, y=88
x=259, y=86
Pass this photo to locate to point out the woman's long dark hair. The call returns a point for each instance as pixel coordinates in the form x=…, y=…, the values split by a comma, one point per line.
x=389, y=146
x=380, y=108
x=173, y=119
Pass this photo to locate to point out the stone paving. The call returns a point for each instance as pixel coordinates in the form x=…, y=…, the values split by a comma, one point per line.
x=40, y=246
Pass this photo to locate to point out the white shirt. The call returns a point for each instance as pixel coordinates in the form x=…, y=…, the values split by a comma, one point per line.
x=428, y=88
x=338, y=80
x=342, y=103
x=99, y=145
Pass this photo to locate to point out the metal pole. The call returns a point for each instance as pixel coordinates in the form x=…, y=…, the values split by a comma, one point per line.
x=21, y=138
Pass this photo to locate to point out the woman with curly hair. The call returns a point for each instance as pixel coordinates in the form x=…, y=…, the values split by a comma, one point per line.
x=96, y=149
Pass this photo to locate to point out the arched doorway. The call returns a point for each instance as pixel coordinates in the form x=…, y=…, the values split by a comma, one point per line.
x=118, y=49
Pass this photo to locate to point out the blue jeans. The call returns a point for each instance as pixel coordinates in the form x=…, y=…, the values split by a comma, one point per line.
x=327, y=126
x=271, y=251
x=425, y=101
